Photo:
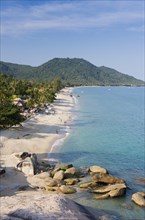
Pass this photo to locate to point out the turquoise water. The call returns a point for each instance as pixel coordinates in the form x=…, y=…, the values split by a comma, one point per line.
x=108, y=130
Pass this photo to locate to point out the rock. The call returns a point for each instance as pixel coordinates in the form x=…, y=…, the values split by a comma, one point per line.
x=39, y=181
x=42, y=207
x=22, y=155
x=52, y=189
x=52, y=183
x=55, y=182
x=88, y=184
x=66, y=166
x=2, y=171
x=67, y=189
x=61, y=182
x=73, y=172
x=117, y=192
x=97, y=169
x=27, y=163
x=108, y=217
x=105, y=189
x=59, y=175
x=27, y=167
x=44, y=175
x=139, y=198
x=102, y=196
x=106, y=178
x=71, y=181
x=112, y=191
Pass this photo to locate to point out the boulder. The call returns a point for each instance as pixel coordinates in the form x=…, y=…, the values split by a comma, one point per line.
x=65, y=166
x=44, y=175
x=26, y=166
x=106, y=178
x=102, y=196
x=71, y=181
x=117, y=192
x=41, y=181
x=88, y=184
x=67, y=189
x=97, y=169
x=105, y=189
x=27, y=163
x=59, y=175
x=73, y=172
x=22, y=155
x=38, y=206
x=52, y=183
x=55, y=182
x=139, y=198
x=2, y=171
x=112, y=191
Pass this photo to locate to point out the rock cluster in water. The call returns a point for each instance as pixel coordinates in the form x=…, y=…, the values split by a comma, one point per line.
x=68, y=179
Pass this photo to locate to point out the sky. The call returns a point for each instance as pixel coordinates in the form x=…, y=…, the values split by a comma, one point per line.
x=106, y=33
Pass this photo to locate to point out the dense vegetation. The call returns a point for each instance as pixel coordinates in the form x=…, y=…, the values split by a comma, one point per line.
x=33, y=94
x=72, y=72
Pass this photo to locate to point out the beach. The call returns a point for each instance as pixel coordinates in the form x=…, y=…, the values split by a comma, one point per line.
x=38, y=135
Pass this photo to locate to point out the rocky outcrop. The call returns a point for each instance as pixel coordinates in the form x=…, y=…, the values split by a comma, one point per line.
x=26, y=163
x=27, y=167
x=139, y=198
x=97, y=169
x=37, y=181
x=73, y=172
x=88, y=184
x=106, y=178
x=112, y=191
x=22, y=155
x=59, y=175
x=71, y=181
x=67, y=189
x=42, y=207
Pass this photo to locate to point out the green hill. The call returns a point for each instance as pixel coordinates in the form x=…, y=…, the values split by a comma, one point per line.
x=71, y=71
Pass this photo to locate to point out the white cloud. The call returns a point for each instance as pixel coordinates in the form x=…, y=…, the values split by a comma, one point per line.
x=18, y=20
x=137, y=28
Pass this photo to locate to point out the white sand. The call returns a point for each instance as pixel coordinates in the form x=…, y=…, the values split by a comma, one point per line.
x=37, y=135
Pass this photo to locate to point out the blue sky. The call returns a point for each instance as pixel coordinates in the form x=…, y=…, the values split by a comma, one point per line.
x=109, y=33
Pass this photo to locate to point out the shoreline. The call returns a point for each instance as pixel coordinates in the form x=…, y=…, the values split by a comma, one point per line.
x=40, y=134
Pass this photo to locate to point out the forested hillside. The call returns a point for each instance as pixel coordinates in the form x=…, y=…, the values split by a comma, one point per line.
x=71, y=72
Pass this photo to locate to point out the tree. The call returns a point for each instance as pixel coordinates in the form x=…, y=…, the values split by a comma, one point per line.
x=9, y=114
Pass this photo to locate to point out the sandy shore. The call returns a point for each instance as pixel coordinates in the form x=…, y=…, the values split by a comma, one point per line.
x=37, y=135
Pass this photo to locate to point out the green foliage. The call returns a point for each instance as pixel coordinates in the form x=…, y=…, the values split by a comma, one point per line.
x=34, y=94
x=9, y=114
x=72, y=72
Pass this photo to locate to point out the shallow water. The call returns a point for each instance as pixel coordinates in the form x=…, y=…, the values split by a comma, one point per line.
x=108, y=130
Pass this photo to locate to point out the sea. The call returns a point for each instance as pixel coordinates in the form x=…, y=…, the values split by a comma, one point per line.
x=108, y=130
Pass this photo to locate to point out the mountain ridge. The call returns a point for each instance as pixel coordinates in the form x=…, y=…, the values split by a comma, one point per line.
x=72, y=71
